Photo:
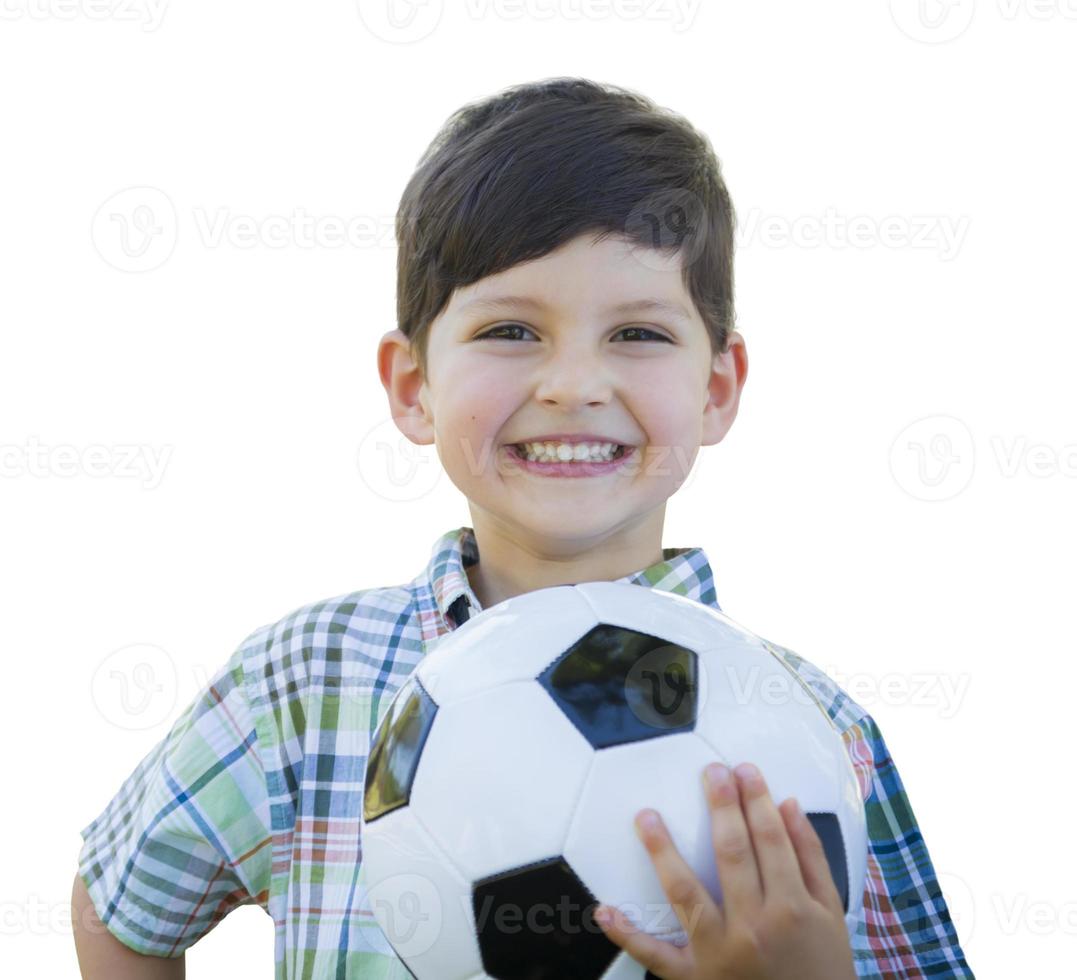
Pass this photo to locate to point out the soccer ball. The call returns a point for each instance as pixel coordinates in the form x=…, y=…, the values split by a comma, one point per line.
x=504, y=777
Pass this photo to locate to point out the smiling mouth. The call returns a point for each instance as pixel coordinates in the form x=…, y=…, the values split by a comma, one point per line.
x=519, y=452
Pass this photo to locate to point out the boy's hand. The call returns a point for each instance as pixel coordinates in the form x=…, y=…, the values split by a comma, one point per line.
x=781, y=917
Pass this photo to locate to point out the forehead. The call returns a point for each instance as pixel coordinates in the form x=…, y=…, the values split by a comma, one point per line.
x=612, y=276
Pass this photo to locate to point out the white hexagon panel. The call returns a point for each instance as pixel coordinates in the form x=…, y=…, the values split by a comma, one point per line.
x=499, y=779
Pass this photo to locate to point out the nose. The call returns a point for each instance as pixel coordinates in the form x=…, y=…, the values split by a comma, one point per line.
x=573, y=377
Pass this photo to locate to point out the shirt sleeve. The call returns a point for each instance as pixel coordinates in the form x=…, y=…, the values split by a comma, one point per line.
x=905, y=929
x=186, y=839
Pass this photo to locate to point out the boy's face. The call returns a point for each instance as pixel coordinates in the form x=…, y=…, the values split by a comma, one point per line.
x=565, y=366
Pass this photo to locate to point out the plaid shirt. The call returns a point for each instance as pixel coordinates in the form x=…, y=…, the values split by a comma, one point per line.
x=255, y=794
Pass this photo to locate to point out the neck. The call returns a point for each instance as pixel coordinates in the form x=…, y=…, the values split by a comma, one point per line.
x=512, y=564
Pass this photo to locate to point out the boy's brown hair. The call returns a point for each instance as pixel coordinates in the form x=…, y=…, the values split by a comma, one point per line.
x=514, y=176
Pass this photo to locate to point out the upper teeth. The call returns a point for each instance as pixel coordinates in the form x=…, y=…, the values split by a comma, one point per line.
x=565, y=452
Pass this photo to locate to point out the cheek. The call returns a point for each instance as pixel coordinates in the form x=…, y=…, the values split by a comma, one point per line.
x=671, y=419
x=490, y=397
x=668, y=413
x=476, y=407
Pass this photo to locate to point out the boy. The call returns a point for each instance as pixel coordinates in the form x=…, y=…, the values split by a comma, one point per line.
x=564, y=277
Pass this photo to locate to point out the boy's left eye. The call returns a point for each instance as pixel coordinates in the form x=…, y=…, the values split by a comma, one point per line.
x=519, y=326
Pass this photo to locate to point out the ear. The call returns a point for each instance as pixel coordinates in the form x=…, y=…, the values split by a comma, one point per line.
x=403, y=383
x=729, y=371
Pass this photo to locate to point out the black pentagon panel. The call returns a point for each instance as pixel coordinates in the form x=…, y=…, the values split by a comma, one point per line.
x=619, y=685
x=829, y=830
x=537, y=923
x=394, y=755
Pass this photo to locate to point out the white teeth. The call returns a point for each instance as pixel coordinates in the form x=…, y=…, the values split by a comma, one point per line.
x=549, y=452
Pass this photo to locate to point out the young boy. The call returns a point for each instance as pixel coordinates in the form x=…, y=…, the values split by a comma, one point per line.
x=564, y=277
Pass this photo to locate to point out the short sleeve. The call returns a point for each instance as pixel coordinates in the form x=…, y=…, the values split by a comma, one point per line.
x=905, y=929
x=186, y=839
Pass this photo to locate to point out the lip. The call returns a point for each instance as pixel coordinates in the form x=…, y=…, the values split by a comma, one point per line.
x=571, y=439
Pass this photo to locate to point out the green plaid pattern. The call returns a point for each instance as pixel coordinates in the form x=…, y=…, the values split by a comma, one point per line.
x=254, y=795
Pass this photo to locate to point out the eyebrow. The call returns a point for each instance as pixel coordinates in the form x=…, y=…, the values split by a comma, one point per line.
x=648, y=305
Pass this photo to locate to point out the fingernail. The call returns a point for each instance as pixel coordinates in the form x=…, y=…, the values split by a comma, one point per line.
x=717, y=774
x=747, y=772
x=648, y=820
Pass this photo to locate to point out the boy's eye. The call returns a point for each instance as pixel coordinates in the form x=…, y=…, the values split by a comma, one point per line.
x=650, y=333
x=504, y=326
x=519, y=326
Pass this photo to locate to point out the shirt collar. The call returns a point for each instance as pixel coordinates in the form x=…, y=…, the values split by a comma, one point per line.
x=685, y=571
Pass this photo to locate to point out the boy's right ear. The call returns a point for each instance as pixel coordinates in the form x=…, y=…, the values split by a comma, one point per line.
x=408, y=397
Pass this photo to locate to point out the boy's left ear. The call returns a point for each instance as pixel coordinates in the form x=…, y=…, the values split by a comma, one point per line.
x=403, y=383
x=729, y=371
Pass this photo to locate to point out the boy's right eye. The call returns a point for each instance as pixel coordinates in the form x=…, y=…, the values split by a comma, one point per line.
x=503, y=326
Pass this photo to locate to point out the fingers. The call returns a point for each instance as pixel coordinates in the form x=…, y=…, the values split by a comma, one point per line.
x=692, y=903
x=779, y=867
x=657, y=955
x=733, y=853
x=811, y=857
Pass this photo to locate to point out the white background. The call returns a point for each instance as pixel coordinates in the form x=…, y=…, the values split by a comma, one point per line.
x=895, y=501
